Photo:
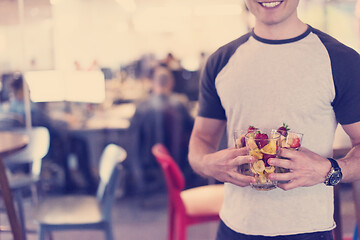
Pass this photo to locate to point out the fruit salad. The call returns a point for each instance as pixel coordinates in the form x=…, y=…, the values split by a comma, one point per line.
x=265, y=145
x=240, y=136
x=262, y=145
x=289, y=139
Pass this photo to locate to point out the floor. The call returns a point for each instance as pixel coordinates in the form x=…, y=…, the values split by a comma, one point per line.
x=135, y=220
x=132, y=219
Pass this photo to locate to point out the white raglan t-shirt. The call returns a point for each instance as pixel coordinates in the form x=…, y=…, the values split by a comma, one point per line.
x=311, y=83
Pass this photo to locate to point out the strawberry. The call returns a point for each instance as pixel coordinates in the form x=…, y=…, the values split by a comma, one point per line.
x=242, y=141
x=261, y=139
x=295, y=143
x=283, y=129
x=251, y=129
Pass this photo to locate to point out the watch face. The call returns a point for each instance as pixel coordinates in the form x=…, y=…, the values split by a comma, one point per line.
x=335, y=178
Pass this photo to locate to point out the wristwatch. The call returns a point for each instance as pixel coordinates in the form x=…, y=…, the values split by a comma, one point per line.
x=335, y=175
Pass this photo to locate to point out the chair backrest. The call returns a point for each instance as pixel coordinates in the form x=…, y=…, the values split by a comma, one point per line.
x=10, y=120
x=110, y=164
x=35, y=151
x=175, y=180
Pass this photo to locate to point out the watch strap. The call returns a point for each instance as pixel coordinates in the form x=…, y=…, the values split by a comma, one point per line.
x=334, y=164
x=334, y=173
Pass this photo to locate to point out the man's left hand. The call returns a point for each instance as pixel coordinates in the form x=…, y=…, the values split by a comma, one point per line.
x=306, y=168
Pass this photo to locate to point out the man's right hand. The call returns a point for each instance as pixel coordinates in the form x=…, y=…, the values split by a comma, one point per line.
x=224, y=166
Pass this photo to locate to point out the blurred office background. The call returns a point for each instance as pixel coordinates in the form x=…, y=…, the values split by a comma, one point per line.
x=89, y=63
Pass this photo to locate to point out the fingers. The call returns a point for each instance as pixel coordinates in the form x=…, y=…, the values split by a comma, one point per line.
x=239, y=156
x=235, y=177
x=280, y=162
x=239, y=151
x=239, y=160
x=286, y=181
x=281, y=176
x=227, y=164
x=286, y=153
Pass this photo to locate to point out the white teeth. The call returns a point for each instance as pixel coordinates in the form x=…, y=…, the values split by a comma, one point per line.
x=270, y=4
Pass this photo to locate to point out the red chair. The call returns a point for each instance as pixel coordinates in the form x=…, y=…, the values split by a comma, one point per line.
x=186, y=207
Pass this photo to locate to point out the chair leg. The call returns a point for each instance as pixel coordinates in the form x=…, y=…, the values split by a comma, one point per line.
x=50, y=236
x=41, y=233
x=19, y=204
x=356, y=233
x=171, y=222
x=180, y=228
x=34, y=194
x=109, y=232
x=44, y=234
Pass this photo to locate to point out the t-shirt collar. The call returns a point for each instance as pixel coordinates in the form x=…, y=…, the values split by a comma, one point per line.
x=281, y=41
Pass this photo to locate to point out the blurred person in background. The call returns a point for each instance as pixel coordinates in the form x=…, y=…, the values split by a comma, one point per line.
x=59, y=140
x=283, y=70
x=39, y=118
x=162, y=117
x=17, y=103
x=171, y=62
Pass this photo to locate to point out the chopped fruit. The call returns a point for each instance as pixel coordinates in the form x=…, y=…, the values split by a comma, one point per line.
x=262, y=178
x=263, y=145
x=283, y=130
x=259, y=166
x=256, y=154
x=251, y=129
x=242, y=141
x=252, y=144
x=270, y=148
x=289, y=139
x=238, y=143
x=295, y=143
x=261, y=139
x=270, y=169
x=293, y=140
x=284, y=144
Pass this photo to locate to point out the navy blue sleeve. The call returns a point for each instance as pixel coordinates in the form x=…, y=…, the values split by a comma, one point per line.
x=347, y=86
x=345, y=64
x=209, y=101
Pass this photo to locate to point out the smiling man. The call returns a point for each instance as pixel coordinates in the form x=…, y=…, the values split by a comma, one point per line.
x=283, y=70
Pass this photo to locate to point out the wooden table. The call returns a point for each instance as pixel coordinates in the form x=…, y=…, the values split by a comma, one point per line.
x=10, y=143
